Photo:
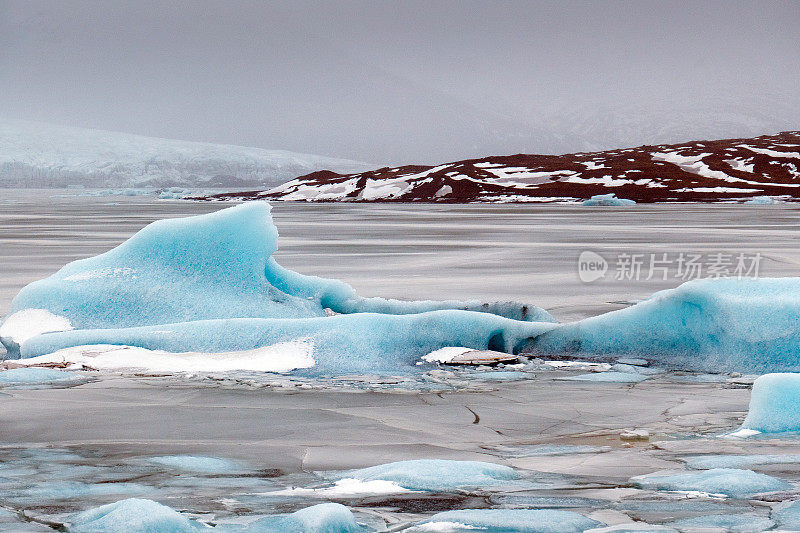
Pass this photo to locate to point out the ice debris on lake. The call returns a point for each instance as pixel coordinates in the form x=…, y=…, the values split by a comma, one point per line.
x=38, y=377
x=133, y=515
x=209, y=284
x=762, y=200
x=787, y=516
x=508, y=521
x=321, y=518
x=774, y=404
x=197, y=463
x=608, y=377
x=608, y=200
x=724, y=481
x=705, y=462
x=438, y=475
x=731, y=523
x=717, y=325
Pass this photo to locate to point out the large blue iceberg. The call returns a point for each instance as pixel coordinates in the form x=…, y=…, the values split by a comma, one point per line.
x=209, y=284
x=710, y=324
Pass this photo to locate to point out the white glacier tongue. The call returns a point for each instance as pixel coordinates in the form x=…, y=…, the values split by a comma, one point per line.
x=39, y=155
x=208, y=285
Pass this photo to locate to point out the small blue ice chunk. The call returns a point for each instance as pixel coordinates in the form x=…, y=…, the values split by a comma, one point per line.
x=734, y=523
x=322, y=518
x=133, y=515
x=728, y=481
x=608, y=377
x=34, y=376
x=761, y=200
x=788, y=516
x=608, y=200
x=774, y=404
x=704, y=462
x=197, y=463
x=509, y=521
x=436, y=474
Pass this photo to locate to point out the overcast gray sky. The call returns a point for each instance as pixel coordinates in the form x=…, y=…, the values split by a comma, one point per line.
x=403, y=82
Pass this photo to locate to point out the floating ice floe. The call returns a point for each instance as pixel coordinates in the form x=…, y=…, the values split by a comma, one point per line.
x=197, y=463
x=38, y=377
x=787, y=515
x=609, y=199
x=438, y=475
x=321, y=518
x=774, y=404
x=717, y=481
x=762, y=200
x=732, y=523
x=705, y=462
x=608, y=377
x=133, y=515
x=208, y=284
x=718, y=325
x=507, y=521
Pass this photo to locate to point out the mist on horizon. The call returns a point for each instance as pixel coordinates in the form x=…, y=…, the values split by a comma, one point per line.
x=410, y=82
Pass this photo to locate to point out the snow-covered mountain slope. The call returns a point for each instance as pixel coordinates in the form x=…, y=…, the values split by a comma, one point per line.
x=34, y=154
x=695, y=171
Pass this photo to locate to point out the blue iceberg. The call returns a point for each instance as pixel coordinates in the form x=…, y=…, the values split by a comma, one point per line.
x=774, y=404
x=761, y=200
x=745, y=325
x=734, y=523
x=133, y=515
x=209, y=284
x=728, y=481
x=197, y=463
x=608, y=200
x=508, y=521
x=436, y=475
x=788, y=516
x=321, y=518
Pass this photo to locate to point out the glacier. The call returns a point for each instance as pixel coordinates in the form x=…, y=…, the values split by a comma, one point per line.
x=40, y=155
x=209, y=284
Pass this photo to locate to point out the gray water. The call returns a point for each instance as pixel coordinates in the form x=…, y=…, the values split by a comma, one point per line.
x=488, y=252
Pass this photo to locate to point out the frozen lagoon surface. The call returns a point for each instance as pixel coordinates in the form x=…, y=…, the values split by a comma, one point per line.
x=231, y=450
